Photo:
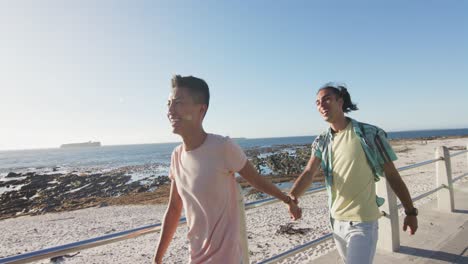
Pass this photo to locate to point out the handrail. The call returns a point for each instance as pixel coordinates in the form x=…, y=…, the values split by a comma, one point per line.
x=84, y=244
x=115, y=237
x=420, y=164
x=459, y=177
x=419, y=197
x=429, y=161
x=458, y=153
x=294, y=250
x=136, y=232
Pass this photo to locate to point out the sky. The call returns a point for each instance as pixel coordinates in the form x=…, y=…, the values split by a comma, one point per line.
x=74, y=71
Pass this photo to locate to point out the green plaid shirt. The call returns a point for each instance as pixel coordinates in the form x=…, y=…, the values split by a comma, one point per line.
x=374, y=143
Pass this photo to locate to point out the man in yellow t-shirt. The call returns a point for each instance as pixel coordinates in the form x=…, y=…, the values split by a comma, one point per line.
x=353, y=186
x=353, y=156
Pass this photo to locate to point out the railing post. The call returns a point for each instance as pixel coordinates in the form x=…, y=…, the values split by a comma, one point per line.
x=445, y=200
x=389, y=230
x=243, y=227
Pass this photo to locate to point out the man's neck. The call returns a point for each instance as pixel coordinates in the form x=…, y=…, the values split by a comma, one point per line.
x=194, y=140
x=340, y=124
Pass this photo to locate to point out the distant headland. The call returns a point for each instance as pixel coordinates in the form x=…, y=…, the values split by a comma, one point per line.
x=81, y=145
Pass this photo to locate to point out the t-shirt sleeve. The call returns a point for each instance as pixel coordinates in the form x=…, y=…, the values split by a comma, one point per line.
x=385, y=150
x=235, y=157
x=171, y=167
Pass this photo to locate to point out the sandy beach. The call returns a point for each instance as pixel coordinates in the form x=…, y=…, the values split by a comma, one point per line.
x=29, y=233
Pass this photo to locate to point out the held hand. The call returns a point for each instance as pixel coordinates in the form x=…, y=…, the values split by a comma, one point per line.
x=294, y=199
x=294, y=211
x=411, y=222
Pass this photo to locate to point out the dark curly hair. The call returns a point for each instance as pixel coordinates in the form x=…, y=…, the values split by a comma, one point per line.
x=340, y=91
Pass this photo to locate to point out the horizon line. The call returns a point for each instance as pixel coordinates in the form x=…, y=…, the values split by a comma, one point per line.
x=245, y=138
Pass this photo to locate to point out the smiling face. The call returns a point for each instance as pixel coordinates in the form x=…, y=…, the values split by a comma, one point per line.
x=329, y=105
x=185, y=115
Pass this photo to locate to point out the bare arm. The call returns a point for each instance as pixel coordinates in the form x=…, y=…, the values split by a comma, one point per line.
x=398, y=186
x=170, y=223
x=401, y=191
x=251, y=175
x=306, y=177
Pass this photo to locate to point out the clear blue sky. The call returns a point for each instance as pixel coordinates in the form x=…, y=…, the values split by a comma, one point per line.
x=74, y=71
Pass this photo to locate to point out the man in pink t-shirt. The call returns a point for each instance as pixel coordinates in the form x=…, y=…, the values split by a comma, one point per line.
x=203, y=183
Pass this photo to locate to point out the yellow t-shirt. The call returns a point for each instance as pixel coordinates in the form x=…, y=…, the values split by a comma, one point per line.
x=353, y=188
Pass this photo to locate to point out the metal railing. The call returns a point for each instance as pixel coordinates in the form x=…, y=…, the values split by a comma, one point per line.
x=115, y=237
x=325, y=237
x=412, y=166
x=297, y=249
x=84, y=244
x=133, y=233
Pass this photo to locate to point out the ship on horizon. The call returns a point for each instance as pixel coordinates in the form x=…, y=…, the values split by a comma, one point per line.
x=82, y=145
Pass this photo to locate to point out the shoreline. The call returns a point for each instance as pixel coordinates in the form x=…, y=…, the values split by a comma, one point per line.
x=31, y=194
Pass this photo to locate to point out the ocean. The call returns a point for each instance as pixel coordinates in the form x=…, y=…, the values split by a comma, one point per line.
x=156, y=156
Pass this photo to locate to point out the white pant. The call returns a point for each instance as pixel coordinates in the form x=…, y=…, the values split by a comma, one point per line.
x=356, y=241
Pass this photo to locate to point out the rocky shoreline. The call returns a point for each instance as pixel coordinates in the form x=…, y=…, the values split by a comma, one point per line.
x=42, y=193
x=34, y=193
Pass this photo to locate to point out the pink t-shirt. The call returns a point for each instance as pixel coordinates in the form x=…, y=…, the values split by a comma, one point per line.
x=206, y=183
